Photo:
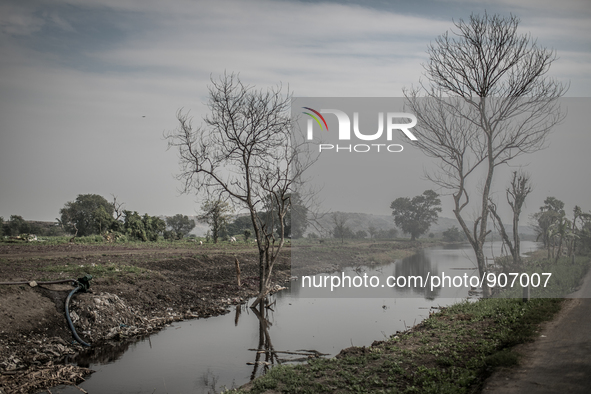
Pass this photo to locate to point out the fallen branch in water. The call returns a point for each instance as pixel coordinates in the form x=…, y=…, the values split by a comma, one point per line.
x=299, y=352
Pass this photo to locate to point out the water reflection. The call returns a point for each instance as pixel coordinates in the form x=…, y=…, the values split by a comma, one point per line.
x=237, y=314
x=105, y=354
x=417, y=265
x=265, y=345
x=210, y=381
x=405, y=278
x=266, y=348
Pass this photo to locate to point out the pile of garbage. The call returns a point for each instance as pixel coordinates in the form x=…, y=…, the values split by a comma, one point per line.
x=105, y=316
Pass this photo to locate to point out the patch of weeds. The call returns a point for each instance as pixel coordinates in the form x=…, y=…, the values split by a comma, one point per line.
x=567, y=276
x=288, y=379
x=108, y=270
x=504, y=358
x=444, y=361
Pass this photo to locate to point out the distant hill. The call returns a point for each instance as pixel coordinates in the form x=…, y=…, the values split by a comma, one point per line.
x=362, y=221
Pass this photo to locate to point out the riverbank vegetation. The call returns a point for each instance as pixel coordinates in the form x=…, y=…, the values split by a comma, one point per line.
x=453, y=351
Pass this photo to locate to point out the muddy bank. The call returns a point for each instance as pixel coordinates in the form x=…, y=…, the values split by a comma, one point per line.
x=134, y=292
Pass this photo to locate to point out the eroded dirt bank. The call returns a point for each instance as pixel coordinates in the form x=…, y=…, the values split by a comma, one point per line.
x=135, y=291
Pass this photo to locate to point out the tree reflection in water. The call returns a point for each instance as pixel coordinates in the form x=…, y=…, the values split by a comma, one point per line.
x=266, y=345
x=418, y=264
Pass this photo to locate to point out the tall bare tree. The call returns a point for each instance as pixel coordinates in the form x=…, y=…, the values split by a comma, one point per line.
x=244, y=151
x=487, y=100
x=517, y=192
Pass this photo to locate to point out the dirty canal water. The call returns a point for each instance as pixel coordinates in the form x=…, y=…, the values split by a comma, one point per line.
x=210, y=355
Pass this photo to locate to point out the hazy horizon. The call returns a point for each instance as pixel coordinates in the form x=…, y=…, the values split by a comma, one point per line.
x=87, y=88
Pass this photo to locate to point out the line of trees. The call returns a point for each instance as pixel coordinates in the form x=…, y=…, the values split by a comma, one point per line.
x=92, y=214
x=559, y=234
x=16, y=225
x=342, y=230
x=453, y=234
x=414, y=216
x=218, y=215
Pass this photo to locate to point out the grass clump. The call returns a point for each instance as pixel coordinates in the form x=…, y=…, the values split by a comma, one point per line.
x=100, y=270
x=566, y=276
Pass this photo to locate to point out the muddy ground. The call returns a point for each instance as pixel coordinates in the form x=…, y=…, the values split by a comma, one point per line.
x=135, y=290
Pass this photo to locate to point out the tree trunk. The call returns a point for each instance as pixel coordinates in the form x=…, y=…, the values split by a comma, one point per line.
x=481, y=261
x=262, y=287
x=559, y=252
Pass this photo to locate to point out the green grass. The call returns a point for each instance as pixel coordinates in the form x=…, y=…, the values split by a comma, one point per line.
x=123, y=240
x=566, y=277
x=107, y=270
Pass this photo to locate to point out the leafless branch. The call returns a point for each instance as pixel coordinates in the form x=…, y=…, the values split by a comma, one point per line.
x=486, y=100
x=244, y=151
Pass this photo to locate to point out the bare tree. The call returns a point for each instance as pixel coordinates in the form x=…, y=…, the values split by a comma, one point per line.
x=244, y=151
x=117, y=207
x=487, y=100
x=517, y=192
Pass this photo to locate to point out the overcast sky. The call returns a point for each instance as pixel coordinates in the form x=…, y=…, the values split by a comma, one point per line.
x=88, y=87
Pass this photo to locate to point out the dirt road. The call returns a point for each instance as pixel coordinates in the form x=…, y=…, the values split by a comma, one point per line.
x=559, y=361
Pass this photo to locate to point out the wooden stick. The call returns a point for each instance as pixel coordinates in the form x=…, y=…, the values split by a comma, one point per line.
x=237, y=270
x=81, y=389
x=305, y=353
x=258, y=363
